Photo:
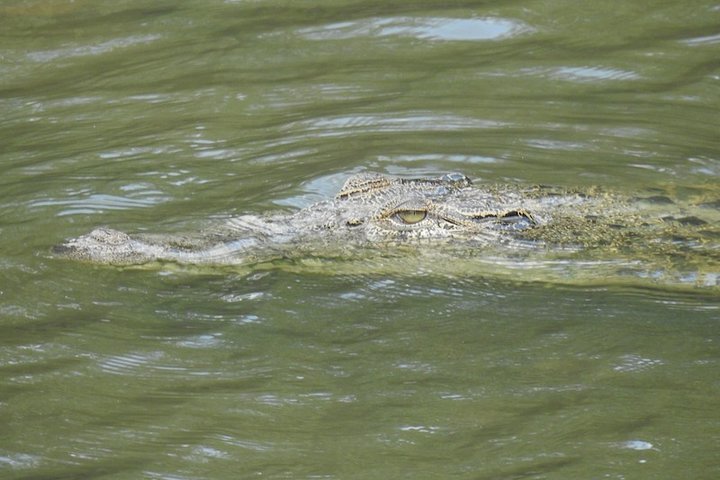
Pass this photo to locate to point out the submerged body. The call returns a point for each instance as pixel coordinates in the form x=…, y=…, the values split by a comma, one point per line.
x=377, y=215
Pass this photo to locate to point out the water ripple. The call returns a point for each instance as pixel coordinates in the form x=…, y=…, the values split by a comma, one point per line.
x=123, y=364
x=436, y=157
x=99, y=203
x=431, y=28
x=86, y=50
x=19, y=460
x=342, y=125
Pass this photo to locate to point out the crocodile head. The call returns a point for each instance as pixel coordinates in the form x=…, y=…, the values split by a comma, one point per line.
x=375, y=208
x=370, y=210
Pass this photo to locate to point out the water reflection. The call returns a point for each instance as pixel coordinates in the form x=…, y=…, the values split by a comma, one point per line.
x=706, y=40
x=636, y=445
x=636, y=363
x=430, y=28
x=594, y=73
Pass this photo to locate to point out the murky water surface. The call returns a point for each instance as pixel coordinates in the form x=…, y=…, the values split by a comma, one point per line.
x=160, y=115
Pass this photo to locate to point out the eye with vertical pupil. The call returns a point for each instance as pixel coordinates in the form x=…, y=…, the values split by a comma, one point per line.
x=411, y=216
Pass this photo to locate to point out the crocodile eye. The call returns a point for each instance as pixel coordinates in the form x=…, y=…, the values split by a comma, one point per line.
x=411, y=216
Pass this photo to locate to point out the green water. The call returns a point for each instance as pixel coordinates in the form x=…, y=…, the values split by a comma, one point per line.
x=158, y=117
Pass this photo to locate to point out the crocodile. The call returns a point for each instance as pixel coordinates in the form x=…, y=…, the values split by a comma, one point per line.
x=587, y=232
